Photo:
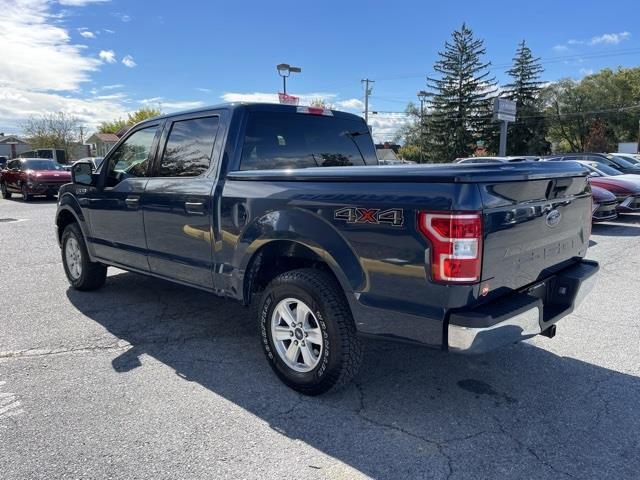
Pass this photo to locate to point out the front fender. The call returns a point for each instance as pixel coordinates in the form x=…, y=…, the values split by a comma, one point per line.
x=307, y=229
x=68, y=204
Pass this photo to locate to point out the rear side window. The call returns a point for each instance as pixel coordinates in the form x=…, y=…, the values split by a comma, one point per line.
x=291, y=140
x=189, y=147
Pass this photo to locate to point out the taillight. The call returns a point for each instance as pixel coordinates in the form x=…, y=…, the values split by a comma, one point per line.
x=456, y=245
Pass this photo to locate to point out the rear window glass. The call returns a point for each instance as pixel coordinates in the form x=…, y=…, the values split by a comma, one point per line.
x=189, y=147
x=283, y=140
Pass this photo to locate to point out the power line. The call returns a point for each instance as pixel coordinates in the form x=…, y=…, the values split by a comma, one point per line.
x=543, y=61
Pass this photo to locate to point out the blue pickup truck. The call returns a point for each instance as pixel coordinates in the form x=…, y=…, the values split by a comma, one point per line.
x=285, y=209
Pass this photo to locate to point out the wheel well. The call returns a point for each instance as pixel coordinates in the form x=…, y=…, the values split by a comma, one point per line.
x=278, y=257
x=64, y=218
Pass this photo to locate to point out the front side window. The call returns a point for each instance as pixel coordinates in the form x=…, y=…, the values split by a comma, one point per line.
x=132, y=157
x=293, y=140
x=189, y=147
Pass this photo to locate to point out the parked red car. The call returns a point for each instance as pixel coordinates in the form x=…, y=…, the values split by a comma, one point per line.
x=32, y=176
x=625, y=187
x=604, y=204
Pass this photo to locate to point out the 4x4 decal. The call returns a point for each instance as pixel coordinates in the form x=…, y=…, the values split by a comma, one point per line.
x=376, y=216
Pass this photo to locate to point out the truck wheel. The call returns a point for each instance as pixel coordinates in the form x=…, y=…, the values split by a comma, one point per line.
x=82, y=273
x=25, y=193
x=308, y=333
x=6, y=194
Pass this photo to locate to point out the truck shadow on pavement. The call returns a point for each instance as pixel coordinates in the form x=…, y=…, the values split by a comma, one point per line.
x=522, y=412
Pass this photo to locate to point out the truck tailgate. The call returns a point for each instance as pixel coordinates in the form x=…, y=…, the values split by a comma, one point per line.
x=532, y=229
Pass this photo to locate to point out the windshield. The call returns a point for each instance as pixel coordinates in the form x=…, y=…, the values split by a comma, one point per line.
x=623, y=162
x=283, y=140
x=606, y=170
x=42, y=165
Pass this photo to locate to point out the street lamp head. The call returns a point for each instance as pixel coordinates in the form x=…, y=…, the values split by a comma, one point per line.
x=283, y=69
x=422, y=95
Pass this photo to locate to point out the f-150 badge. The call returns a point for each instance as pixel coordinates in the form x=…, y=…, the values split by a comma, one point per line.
x=376, y=216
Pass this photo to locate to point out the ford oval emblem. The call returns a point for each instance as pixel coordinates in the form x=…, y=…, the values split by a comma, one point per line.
x=553, y=218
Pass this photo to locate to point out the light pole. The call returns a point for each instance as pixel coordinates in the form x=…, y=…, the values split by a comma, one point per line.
x=284, y=70
x=422, y=96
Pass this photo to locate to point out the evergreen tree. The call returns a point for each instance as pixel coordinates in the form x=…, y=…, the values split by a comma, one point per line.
x=460, y=98
x=527, y=134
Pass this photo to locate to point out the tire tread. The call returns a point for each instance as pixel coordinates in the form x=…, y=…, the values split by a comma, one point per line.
x=351, y=346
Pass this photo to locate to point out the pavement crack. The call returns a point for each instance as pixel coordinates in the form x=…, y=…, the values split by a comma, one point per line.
x=117, y=346
x=440, y=446
x=529, y=449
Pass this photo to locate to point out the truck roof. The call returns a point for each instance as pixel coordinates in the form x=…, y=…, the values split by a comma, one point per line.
x=251, y=106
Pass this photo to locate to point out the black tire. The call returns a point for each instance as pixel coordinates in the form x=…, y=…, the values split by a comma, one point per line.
x=6, y=194
x=341, y=354
x=92, y=274
x=25, y=193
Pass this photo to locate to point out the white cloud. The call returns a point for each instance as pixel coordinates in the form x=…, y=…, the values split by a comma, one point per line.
x=86, y=33
x=604, y=39
x=18, y=105
x=263, y=97
x=164, y=105
x=610, y=38
x=106, y=30
x=128, y=61
x=42, y=71
x=386, y=126
x=108, y=56
x=122, y=16
x=354, y=104
x=79, y=3
x=204, y=90
x=29, y=40
x=586, y=71
x=115, y=86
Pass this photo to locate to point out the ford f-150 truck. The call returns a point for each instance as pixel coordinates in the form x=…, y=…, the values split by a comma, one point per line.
x=285, y=208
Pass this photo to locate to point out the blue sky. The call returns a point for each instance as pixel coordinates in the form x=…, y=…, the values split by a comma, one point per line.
x=99, y=59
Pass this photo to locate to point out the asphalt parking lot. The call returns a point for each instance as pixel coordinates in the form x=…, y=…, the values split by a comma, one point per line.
x=145, y=379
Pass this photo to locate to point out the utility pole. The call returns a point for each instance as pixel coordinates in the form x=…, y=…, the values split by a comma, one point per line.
x=81, y=135
x=367, y=92
x=422, y=96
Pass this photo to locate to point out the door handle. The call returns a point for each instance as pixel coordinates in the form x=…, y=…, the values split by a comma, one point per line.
x=196, y=208
x=132, y=201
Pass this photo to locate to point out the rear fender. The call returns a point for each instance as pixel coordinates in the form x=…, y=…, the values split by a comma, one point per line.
x=306, y=229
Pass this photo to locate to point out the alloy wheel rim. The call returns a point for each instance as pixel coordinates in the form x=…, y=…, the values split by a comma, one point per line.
x=73, y=258
x=296, y=335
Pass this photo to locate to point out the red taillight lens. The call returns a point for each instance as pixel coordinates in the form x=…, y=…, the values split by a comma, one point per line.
x=456, y=245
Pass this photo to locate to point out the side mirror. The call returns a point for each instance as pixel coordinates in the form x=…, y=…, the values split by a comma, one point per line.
x=81, y=173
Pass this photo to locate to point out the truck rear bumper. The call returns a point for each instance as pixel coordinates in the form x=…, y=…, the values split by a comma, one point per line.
x=523, y=314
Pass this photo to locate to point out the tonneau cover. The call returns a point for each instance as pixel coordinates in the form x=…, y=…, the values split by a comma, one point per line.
x=434, y=173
